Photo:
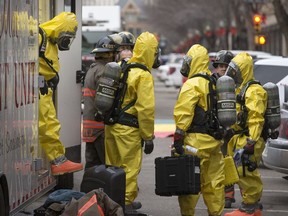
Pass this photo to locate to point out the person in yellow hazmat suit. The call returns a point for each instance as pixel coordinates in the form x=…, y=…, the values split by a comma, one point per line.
x=193, y=129
x=246, y=143
x=55, y=34
x=124, y=141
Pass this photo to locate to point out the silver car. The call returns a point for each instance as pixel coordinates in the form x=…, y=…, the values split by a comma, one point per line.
x=275, y=154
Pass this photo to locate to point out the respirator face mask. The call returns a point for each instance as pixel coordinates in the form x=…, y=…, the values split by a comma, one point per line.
x=185, y=68
x=234, y=72
x=64, y=41
x=157, y=61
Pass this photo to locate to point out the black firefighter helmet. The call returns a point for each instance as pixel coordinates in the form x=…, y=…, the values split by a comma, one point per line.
x=222, y=57
x=105, y=44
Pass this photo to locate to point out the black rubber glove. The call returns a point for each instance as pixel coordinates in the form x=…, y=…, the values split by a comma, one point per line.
x=44, y=89
x=53, y=83
x=228, y=134
x=249, y=147
x=179, y=141
x=148, y=146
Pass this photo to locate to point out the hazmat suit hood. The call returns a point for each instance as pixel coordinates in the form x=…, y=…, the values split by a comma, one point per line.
x=61, y=26
x=145, y=49
x=200, y=60
x=244, y=63
x=63, y=23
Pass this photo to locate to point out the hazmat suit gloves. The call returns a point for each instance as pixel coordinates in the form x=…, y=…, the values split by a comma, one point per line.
x=53, y=83
x=249, y=147
x=179, y=141
x=148, y=146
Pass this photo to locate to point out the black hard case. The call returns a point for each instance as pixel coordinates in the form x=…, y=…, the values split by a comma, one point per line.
x=112, y=179
x=177, y=175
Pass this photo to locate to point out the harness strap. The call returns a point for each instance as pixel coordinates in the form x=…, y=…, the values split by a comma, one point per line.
x=241, y=96
x=42, y=49
x=211, y=125
x=118, y=114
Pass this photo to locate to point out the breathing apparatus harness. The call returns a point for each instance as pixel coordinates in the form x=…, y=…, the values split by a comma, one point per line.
x=118, y=114
x=52, y=83
x=241, y=121
x=207, y=122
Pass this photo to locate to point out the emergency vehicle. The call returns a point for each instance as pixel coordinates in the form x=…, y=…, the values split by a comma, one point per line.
x=24, y=170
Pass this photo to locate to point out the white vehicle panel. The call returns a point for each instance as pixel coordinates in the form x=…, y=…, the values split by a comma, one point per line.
x=20, y=156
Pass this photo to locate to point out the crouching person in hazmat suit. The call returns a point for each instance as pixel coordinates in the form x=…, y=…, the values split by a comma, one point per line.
x=58, y=33
x=124, y=141
x=247, y=140
x=192, y=129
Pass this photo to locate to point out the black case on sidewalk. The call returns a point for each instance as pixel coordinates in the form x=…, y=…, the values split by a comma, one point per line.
x=112, y=179
x=177, y=175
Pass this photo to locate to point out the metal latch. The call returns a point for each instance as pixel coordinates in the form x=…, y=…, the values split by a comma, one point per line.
x=41, y=81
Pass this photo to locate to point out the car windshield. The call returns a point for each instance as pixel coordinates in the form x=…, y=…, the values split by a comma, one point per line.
x=269, y=73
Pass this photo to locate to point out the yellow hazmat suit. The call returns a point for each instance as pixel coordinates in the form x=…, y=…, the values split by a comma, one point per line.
x=49, y=126
x=255, y=102
x=123, y=143
x=194, y=93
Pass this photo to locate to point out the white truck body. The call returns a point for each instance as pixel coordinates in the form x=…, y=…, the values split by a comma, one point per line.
x=21, y=158
x=24, y=169
x=101, y=18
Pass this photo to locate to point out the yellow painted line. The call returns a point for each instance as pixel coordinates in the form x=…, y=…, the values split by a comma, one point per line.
x=164, y=127
x=164, y=130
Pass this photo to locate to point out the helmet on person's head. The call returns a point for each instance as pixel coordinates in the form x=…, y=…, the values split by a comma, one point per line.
x=222, y=57
x=123, y=39
x=128, y=39
x=105, y=44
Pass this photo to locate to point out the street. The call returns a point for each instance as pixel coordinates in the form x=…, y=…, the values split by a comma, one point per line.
x=275, y=194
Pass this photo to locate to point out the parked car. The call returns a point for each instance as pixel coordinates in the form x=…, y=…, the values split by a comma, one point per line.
x=174, y=77
x=162, y=71
x=275, y=155
x=254, y=54
x=273, y=70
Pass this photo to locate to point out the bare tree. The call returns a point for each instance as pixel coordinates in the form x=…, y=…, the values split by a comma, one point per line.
x=177, y=19
x=280, y=8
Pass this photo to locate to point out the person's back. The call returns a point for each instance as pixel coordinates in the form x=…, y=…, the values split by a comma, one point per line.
x=192, y=115
x=93, y=126
x=123, y=141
